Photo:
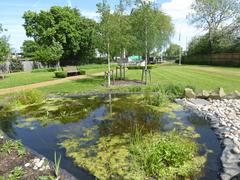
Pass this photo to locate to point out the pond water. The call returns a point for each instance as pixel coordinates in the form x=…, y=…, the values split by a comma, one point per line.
x=61, y=125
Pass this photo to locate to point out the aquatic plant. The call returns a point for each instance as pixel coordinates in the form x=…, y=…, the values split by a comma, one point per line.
x=157, y=99
x=28, y=97
x=138, y=155
x=169, y=155
x=56, y=167
x=16, y=173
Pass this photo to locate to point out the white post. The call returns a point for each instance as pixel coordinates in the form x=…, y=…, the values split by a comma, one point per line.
x=109, y=66
x=180, y=51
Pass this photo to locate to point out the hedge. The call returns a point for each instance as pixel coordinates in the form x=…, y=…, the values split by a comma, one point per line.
x=142, y=67
x=223, y=59
x=60, y=74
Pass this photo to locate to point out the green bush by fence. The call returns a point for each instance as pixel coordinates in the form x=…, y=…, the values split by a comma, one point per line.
x=60, y=74
x=221, y=59
x=141, y=67
x=44, y=70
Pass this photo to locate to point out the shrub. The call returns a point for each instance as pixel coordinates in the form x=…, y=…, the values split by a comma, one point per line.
x=28, y=97
x=15, y=66
x=60, y=74
x=141, y=67
x=174, y=91
x=44, y=70
x=81, y=72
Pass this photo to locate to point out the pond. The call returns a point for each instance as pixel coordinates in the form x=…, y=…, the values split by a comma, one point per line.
x=72, y=126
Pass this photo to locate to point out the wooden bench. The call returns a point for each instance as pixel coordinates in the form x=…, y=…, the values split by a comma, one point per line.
x=71, y=70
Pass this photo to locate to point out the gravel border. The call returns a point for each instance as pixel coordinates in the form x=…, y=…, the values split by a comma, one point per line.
x=224, y=119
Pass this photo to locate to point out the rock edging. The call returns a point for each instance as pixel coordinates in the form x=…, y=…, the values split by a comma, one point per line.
x=224, y=118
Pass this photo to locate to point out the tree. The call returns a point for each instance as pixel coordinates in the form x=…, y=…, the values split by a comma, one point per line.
x=29, y=48
x=49, y=54
x=211, y=15
x=66, y=26
x=173, y=50
x=106, y=31
x=151, y=28
x=4, y=46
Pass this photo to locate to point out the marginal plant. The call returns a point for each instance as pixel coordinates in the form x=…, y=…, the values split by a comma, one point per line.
x=28, y=97
x=57, y=161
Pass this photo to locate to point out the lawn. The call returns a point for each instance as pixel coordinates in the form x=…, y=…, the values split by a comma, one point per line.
x=78, y=86
x=24, y=78
x=200, y=77
x=95, y=68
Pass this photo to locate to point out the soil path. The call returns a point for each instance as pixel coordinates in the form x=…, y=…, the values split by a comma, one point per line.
x=46, y=83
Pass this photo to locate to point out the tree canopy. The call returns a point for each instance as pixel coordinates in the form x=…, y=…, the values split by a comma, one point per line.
x=151, y=27
x=4, y=46
x=213, y=16
x=65, y=26
x=29, y=48
x=173, y=50
x=49, y=54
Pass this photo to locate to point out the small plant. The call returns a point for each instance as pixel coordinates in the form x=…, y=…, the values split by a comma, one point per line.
x=16, y=173
x=8, y=147
x=158, y=99
x=11, y=145
x=57, y=161
x=60, y=74
x=136, y=135
x=1, y=178
x=28, y=97
x=20, y=149
x=46, y=178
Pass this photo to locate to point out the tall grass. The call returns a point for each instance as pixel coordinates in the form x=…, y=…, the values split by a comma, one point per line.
x=27, y=97
x=165, y=155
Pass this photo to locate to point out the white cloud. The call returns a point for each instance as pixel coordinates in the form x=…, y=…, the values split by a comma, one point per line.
x=90, y=14
x=69, y=3
x=179, y=11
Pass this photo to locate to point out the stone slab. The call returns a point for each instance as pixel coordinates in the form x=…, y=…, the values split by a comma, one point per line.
x=199, y=102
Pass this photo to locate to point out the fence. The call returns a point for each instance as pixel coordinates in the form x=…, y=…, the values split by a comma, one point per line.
x=27, y=66
x=221, y=59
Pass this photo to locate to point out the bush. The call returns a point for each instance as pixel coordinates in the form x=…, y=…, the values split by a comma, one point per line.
x=16, y=66
x=44, y=70
x=60, y=74
x=81, y=72
x=28, y=97
x=141, y=67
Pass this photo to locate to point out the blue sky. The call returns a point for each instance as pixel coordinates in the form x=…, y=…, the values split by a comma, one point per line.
x=11, y=12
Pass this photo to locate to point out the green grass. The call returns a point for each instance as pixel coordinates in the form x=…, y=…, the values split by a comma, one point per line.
x=78, y=86
x=200, y=77
x=24, y=78
x=96, y=68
